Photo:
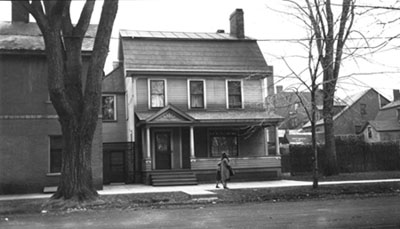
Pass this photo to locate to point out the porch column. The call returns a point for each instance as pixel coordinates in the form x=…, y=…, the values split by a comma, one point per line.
x=277, y=141
x=266, y=139
x=148, y=147
x=192, y=142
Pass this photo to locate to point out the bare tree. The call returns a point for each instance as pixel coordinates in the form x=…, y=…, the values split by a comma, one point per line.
x=77, y=104
x=331, y=57
x=329, y=35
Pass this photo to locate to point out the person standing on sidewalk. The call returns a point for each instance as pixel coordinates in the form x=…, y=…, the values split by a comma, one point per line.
x=218, y=175
x=225, y=170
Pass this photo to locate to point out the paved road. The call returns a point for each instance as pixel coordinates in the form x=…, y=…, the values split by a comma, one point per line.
x=382, y=212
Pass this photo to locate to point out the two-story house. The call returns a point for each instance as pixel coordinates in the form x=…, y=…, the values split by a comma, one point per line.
x=360, y=108
x=118, y=156
x=293, y=106
x=386, y=126
x=30, y=134
x=192, y=97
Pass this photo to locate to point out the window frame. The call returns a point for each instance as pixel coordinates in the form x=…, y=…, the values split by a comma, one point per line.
x=369, y=132
x=227, y=93
x=49, y=169
x=114, y=108
x=190, y=94
x=211, y=133
x=150, y=94
x=363, y=108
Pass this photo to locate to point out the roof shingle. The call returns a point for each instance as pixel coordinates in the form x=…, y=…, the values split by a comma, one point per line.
x=192, y=52
x=27, y=36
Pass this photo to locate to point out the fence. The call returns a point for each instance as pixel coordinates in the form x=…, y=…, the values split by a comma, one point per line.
x=353, y=155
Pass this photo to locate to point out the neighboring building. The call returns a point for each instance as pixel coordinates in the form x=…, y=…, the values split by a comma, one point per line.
x=172, y=106
x=386, y=126
x=194, y=96
x=30, y=134
x=360, y=109
x=118, y=158
x=292, y=106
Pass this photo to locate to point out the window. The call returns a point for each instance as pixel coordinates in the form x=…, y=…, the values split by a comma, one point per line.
x=294, y=122
x=369, y=129
x=234, y=94
x=157, y=93
x=196, y=94
x=223, y=141
x=398, y=114
x=55, y=154
x=296, y=107
x=108, y=103
x=363, y=109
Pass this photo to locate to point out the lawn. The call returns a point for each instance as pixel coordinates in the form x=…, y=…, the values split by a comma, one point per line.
x=179, y=199
x=348, y=176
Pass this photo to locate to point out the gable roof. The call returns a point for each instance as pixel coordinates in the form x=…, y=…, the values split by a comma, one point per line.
x=350, y=101
x=387, y=125
x=19, y=36
x=146, y=51
x=393, y=104
x=171, y=114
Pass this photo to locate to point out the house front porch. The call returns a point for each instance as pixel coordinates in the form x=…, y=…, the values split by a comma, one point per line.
x=173, y=142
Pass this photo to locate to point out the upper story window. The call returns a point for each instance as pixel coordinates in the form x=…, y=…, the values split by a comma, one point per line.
x=157, y=93
x=55, y=154
x=234, y=94
x=196, y=94
x=363, y=108
x=108, y=104
x=398, y=114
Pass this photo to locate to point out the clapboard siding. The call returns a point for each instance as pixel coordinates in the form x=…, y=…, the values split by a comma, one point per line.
x=141, y=94
x=252, y=93
x=115, y=131
x=177, y=92
x=215, y=89
x=237, y=163
x=216, y=94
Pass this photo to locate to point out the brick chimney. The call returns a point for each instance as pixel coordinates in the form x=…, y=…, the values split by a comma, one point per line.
x=18, y=12
x=237, y=24
x=279, y=89
x=396, y=95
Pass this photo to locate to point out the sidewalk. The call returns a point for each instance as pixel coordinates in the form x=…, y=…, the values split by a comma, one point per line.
x=201, y=190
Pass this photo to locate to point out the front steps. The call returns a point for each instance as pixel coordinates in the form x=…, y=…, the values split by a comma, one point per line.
x=173, y=178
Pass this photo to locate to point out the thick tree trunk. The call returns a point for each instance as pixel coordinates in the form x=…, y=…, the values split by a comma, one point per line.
x=330, y=165
x=76, y=172
x=77, y=107
x=313, y=133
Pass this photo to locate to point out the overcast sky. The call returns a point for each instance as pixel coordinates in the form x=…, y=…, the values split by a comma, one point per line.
x=276, y=32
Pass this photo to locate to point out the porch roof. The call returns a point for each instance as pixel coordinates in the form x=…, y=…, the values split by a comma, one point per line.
x=175, y=116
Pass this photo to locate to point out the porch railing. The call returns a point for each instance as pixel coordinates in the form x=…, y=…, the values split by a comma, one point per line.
x=237, y=163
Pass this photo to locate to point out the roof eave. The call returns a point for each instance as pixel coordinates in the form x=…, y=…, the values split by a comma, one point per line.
x=130, y=72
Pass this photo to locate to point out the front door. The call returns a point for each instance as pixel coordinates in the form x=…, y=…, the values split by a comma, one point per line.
x=117, y=166
x=163, y=150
